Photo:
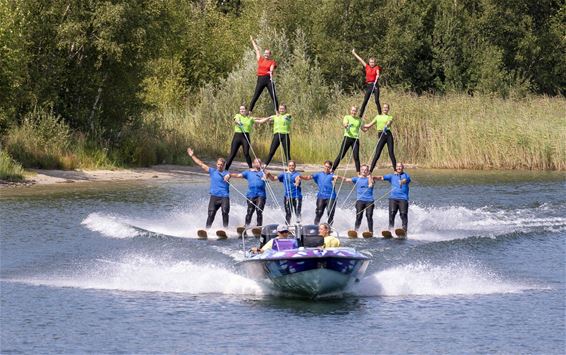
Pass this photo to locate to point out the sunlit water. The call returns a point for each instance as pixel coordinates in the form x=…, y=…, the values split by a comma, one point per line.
x=118, y=268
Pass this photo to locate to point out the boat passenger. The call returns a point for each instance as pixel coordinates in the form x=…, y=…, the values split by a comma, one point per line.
x=282, y=233
x=330, y=241
x=219, y=189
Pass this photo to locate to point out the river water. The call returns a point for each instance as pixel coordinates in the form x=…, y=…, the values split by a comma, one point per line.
x=108, y=268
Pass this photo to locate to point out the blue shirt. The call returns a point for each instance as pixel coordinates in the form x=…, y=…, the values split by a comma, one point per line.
x=363, y=191
x=218, y=187
x=398, y=192
x=288, y=180
x=325, y=185
x=256, y=184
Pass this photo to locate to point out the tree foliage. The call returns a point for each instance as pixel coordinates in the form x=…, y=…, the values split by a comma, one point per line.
x=98, y=64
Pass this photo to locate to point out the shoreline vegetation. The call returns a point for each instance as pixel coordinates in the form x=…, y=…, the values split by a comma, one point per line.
x=90, y=87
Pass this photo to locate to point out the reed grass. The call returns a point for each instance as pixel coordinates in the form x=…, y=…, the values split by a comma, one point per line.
x=10, y=170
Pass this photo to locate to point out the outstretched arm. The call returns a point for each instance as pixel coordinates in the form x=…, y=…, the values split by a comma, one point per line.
x=305, y=177
x=199, y=162
x=338, y=177
x=256, y=48
x=263, y=119
x=358, y=57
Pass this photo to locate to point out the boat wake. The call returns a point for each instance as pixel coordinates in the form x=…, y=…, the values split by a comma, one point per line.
x=425, y=223
x=422, y=279
x=146, y=274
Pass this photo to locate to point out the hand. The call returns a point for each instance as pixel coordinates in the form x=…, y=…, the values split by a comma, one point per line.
x=251, y=38
x=353, y=51
x=227, y=178
x=190, y=152
x=364, y=128
x=404, y=181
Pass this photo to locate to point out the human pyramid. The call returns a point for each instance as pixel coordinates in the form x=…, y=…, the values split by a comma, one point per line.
x=258, y=176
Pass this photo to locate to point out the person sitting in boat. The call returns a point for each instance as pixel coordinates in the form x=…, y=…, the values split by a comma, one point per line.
x=330, y=241
x=282, y=233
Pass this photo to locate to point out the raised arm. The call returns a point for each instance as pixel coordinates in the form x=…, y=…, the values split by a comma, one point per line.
x=358, y=57
x=256, y=48
x=199, y=162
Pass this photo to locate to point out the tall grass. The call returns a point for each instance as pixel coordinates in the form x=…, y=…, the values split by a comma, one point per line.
x=44, y=140
x=449, y=131
x=10, y=170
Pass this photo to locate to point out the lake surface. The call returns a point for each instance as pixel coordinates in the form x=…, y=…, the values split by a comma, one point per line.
x=108, y=268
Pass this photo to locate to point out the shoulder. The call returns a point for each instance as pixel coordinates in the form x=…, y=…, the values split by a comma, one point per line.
x=211, y=170
x=387, y=176
x=355, y=179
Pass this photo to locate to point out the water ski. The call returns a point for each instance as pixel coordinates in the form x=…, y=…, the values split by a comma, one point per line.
x=401, y=233
x=256, y=231
x=240, y=230
x=221, y=234
x=367, y=234
x=386, y=234
x=352, y=234
x=202, y=234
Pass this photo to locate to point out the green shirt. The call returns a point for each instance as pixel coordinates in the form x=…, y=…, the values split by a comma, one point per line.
x=245, y=125
x=381, y=120
x=282, y=124
x=354, y=125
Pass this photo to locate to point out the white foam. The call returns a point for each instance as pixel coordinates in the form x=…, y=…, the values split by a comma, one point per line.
x=109, y=226
x=433, y=280
x=425, y=223
x=140, y=273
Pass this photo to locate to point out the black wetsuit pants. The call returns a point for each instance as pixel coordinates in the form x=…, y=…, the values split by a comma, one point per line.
x=285, y=142
x=348, y=142
x=382, y=140
x=213, y=205
x=324, y=204
x=403, y=207
x=255, y=204
x=369, y=88
x=362, y=206
x=240, y=140
x=262, y=83
x=292, y=205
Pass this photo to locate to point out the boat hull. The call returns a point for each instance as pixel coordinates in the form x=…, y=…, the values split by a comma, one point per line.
x=308, y=273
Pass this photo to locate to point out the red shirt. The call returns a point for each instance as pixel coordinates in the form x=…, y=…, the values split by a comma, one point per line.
x=263, y=66
x=371, y=73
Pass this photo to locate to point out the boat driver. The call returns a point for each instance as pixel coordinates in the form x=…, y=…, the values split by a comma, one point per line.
x=282, y=233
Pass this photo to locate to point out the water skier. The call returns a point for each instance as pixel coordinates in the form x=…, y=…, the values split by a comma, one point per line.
x=373, y=72
x=326, y=196
x=255, y=195
x=352, y=124
x=364, y=196
x=265, y=71
x=293, y=197
x=399, y=196
x=219, y=189
x=242, y=129
x=281, y=131
x=384, y=136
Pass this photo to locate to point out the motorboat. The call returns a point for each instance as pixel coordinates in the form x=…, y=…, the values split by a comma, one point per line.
x=300, y=265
